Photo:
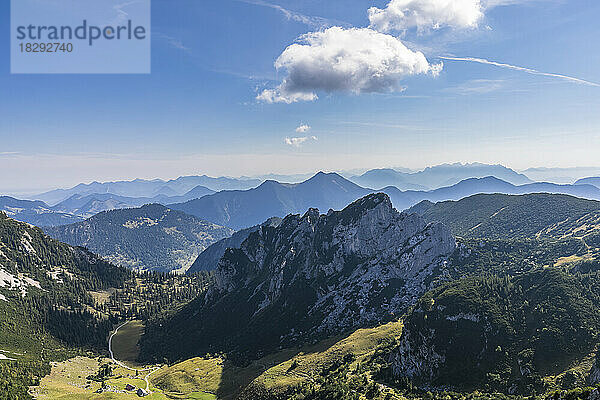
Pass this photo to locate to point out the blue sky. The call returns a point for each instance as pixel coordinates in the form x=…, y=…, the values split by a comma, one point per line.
x=198, y=112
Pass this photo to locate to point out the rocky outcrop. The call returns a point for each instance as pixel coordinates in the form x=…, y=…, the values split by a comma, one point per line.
x=362, y=263
x=594, y=378
x=318, y=275
x=209, y=258
x=488, y=332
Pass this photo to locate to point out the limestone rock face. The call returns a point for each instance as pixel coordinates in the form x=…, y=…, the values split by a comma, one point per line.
x=362, y=263
x=317, y=275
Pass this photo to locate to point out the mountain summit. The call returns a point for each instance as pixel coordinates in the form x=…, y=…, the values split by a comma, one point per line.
x=241, y=209
x=312, y=276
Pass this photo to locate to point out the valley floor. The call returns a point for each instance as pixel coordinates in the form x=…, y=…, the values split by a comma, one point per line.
x=78, y=378
x=68, y=380
x=205, y=378
x=215, y=378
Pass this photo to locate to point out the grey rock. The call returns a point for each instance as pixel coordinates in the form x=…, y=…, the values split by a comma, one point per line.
x=358, y=266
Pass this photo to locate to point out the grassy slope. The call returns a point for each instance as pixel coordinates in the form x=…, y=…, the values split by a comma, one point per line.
x=67, y=381
x=275, y=372
x=306, y=365
x=125, y=342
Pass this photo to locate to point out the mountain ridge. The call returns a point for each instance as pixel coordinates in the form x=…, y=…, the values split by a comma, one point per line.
x=314, y=275
x=438, y=176
x=502, y=215
x=147, y=188
x=242, y=209
x=91, y=204
x=35, y=212
x=209, y=258
x=151, y=237
x=595, y=181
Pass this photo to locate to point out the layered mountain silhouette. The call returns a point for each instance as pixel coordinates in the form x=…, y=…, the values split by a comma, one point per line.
x=148, y=188
x=560, y=175
x=437, y=176
x=589, y=181
x=380, y=178
x=241, y=209
x=469, y=187
x=89, y=205
x=35, y=212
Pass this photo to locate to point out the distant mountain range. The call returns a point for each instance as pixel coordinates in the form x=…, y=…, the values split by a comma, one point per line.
x=152, y=237
x=437, y=176
x=89, y=205
x=404, y=179
x=241, y=209
x=560, y=175
x=589, y=181
x=380, y=178
x=149, y=188
x=79, y=207
x=35, y=212
x=469, y=187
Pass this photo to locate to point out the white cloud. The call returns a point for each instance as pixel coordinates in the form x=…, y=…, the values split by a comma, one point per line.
x=400, y=15
x=356, y=60
x=298, y=141
x=303, y=128
x=522, y=69
x=279, y=96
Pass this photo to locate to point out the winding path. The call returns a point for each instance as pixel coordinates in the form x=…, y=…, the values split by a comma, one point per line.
x=112, y=357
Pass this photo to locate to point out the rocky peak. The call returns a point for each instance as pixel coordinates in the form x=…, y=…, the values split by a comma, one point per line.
x=311, y=216
x=316, y=275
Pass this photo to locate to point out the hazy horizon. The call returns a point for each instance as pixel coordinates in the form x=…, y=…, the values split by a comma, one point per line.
x=572, y=174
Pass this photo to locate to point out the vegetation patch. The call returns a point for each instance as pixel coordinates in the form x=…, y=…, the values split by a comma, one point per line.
x=125, y=342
